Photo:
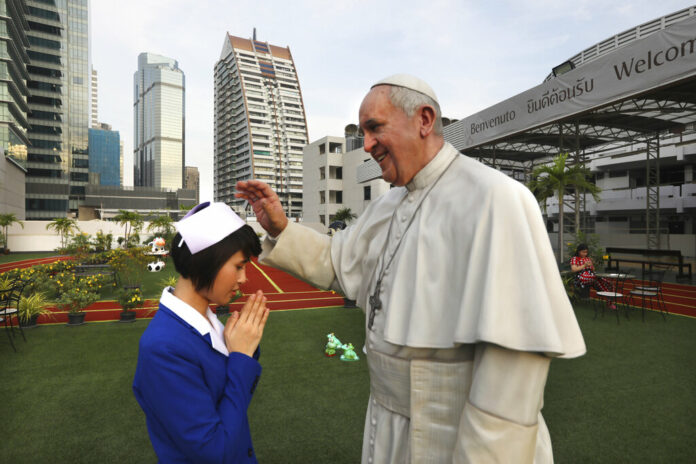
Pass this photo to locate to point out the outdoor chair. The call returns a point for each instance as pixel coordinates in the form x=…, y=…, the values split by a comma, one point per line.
x=616, y=297
x=2, y=319
x=650, y=289
x=9, y=303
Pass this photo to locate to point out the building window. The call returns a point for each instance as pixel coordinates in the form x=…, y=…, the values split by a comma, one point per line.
x=367, y=193
x=322, y=173
x=322, y=218
x=339, y=173
x=339, y=197
x=322, y=198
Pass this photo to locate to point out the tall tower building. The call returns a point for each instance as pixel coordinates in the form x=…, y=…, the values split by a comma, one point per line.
x=260, y=124
x=94, y=100
x=59, y=80
x=105, y=154
x=192, y=181
x=158, y=151
x=13, y=76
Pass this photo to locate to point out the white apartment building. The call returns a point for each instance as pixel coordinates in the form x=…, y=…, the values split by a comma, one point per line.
x=620, y=215
x=158, y=116
x=260, y=124
x=331, y=182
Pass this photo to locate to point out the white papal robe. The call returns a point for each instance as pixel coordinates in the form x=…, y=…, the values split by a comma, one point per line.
x=473, y=310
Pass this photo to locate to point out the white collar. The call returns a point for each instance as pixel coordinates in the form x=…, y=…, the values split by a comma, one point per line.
x=433, y=169
x=196, y=320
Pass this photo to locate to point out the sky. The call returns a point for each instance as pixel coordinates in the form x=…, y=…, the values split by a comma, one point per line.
x=474, y=54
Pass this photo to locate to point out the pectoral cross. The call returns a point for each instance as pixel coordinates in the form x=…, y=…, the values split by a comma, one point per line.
x=375, y=304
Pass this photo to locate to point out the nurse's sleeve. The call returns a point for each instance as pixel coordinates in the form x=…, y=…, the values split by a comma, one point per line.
x=175, y=395
x=501, y=419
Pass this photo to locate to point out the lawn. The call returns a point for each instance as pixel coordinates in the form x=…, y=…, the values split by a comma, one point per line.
x=632, y=398
x=15, y=256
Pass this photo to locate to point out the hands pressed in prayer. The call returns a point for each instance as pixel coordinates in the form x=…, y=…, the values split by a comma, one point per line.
x=266, y=204
x=244, y=329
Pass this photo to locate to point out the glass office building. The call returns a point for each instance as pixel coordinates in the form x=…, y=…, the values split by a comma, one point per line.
x=105, y=156
x=13, y=76
x=158, y=116
x=260, y=125
x=59, y=81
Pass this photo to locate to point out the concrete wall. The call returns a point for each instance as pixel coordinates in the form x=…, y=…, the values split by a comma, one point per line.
x=35, y=237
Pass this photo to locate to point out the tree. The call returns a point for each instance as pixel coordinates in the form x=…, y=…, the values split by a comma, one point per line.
x=64, y=227
x=162, y=225
x=345, y=215
x=557, y=177
x=6, y=220
x=131, y=220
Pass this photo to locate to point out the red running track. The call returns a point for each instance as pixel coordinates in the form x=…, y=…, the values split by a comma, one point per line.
x=31, y=262
x=285, y=292
x=679, y=299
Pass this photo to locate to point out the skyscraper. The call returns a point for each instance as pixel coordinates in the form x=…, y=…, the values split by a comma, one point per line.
x=192, y=181
x=94, y=100
x=260, y=125
x=59, y=78
x=104, y=154
x=13, y=74
x=158, y=151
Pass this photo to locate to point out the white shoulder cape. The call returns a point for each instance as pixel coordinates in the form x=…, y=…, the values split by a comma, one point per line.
x=475, y=265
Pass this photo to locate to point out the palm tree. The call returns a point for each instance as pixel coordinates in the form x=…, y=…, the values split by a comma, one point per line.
x=162, y=225
x=130, y=220
x=557, y=178
x=64, y=226
x=6, y=220
x=345, y=215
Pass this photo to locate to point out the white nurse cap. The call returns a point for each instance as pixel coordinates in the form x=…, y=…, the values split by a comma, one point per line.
x=207, y=224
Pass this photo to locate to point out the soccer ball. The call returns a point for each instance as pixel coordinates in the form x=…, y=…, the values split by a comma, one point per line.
x=155, y=266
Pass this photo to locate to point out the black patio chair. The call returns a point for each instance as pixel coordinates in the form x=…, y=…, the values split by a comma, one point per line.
x=650, y=290
x=8, y=309
x=616, y=298
x=9, y=304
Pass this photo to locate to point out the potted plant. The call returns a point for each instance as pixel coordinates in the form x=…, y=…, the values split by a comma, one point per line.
x=129, y=298
x=74, y=297
x=31, y=307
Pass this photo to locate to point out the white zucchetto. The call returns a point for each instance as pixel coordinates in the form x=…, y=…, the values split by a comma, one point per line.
x=409, y=82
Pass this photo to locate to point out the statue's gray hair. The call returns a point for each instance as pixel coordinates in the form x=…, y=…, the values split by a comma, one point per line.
x=409, y=101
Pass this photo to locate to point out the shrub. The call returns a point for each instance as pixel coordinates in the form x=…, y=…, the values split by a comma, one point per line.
x=130, y=298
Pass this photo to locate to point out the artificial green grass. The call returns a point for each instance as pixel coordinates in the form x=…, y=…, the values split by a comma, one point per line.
x=151, y=283
x=632, y=398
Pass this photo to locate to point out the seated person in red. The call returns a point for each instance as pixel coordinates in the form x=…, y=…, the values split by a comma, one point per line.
x=585, y=276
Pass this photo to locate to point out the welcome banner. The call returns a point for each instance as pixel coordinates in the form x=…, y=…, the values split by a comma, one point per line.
x=658, y=60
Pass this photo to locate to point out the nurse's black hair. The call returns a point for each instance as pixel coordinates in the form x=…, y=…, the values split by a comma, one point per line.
x=202, y=267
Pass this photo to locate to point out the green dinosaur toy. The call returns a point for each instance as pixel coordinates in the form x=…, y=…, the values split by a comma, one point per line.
x=331, y=345
x=349, y=353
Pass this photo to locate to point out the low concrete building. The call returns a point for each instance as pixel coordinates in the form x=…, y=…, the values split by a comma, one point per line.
x=106, y=201
x=330, y=180
x=12, y=187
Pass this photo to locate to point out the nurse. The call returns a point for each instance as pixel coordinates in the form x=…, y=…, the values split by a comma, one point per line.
x=195, y=377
